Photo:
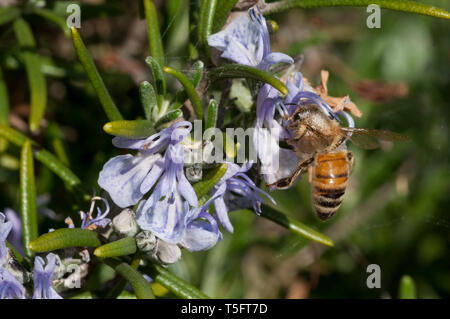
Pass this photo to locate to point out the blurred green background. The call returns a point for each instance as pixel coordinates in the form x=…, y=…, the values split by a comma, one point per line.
x=395, y=213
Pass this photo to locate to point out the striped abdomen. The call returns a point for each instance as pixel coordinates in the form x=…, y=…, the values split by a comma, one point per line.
x=329, y=181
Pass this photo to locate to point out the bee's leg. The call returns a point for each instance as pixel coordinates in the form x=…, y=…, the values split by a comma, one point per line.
x=288, y=181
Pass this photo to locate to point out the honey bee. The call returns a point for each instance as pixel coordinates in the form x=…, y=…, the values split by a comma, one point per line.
x=321, y=142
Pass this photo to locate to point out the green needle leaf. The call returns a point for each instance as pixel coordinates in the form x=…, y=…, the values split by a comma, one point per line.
x=205, y=23
x=223, y=8
x=28, y=210
x=211, y=118
x=210, y=179
x=176, y=285
x=109, y=107
x=65, y=238
x=121, y=247
x=158, y=76
x=43, y=156
x=4, y=109
x=245, y=71
x=149, y=100
x=154, y=35
x=120, y=285
x=196, y=72
x=398, y=5
x=169, y=117
x=407, y=288
x=36, y=79
x=270, y=213
x=140, y=285
x=130, y=129
x=189, y=88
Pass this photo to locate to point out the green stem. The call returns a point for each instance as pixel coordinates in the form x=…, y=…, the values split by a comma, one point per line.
x=190, y=90
x=270, y=213
x=245, y=71
x=398, y=5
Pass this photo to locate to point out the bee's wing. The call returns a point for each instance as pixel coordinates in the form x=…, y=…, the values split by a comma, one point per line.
x=370, y=139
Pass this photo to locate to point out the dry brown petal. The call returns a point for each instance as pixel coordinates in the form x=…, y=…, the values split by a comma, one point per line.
x=336, y=103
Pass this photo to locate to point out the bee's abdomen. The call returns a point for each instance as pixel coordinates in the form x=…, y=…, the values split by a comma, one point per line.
x=329, y=183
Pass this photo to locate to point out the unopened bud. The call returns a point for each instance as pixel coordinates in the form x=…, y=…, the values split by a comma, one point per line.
x=194, y=173
x=146, y=241
x=125, y=223
x=167, y=253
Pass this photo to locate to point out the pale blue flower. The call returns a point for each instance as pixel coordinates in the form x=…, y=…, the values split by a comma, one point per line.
x=127, y=178
x=43, y=278
x=165, y=213
x=246, y=41
x=10, y=287
x=276, y=162
x=15, y=236
x=236, y=181
x=5, y=228
x=100, y=220
x=202, y=231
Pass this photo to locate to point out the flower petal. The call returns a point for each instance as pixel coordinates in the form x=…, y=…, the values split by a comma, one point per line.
x=10, y=287
x=43, y=278
x=201, y=234
x=186, y=190
x=5, y=228
x=123, y=175
x=152, y=177
x=222, y=214
x=166, y=220
x=274, y=58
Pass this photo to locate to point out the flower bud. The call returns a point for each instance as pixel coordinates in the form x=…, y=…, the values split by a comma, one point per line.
x=125, y=223
x=146, y=241
x=167, y=253
x=194, y=173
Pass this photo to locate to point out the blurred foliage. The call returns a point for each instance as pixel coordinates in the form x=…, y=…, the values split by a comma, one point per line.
x=396, y=209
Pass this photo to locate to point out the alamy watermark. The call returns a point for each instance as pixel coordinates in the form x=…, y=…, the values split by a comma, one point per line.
x=74, y=19
x=374, y=279
x=236, y=145
x=374, y=19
